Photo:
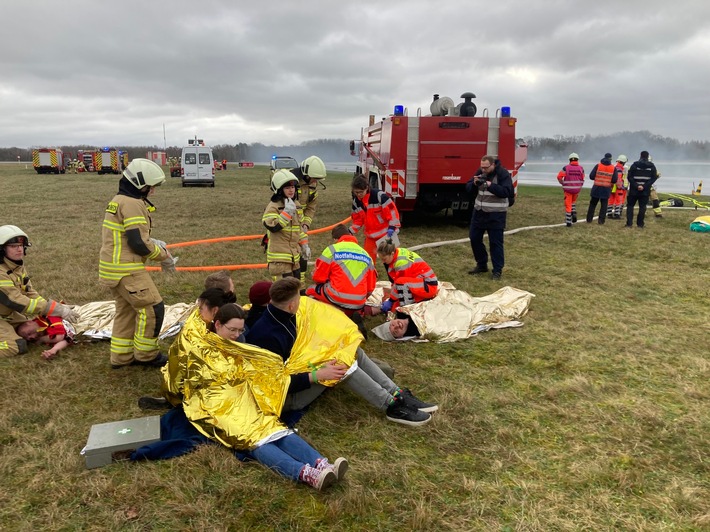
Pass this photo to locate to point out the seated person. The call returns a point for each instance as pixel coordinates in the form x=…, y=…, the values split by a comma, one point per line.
x=259, y=298
x=412, y=278
x=47, y=330
x=344, y=276
x=229, y=322
x=220, y=279
x=277, y=331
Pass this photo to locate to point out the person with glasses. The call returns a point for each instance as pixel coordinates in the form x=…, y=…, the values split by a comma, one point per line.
x=492, y=188
x=229, y=322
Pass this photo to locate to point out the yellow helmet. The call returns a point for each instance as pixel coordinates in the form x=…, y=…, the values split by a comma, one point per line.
x=281, y=178
x=313, y=167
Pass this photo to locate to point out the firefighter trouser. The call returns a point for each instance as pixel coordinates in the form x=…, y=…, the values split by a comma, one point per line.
x=571, y=207
x=655, y=203
x=411, y=290
x=139, y=317
x=303, y=267
x=10, y=342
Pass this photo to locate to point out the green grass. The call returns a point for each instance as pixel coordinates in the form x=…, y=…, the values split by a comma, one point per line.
x=593, y=416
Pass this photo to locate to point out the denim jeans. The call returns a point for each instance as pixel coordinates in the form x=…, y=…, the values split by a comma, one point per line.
x=287, y=455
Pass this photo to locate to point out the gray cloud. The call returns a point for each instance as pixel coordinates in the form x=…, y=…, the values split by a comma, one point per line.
x=285, y=72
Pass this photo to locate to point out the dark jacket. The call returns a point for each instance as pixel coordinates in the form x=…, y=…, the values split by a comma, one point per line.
x=643, y=172
x=276, y=332
x=502, y=188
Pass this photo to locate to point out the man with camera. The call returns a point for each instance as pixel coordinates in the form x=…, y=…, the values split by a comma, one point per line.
x=492, y=187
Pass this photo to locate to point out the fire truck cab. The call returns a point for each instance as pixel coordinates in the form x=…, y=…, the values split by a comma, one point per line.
x=424, y=162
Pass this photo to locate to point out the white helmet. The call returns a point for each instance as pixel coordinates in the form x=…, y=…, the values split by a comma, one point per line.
x=622, y=159
x=280, y=178
x=144, y=172
x=11, y=234
x=573, y=156
x=313, y=167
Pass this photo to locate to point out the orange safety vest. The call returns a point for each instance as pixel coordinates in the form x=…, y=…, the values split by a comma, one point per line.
x=603, y=176
x=377, y=212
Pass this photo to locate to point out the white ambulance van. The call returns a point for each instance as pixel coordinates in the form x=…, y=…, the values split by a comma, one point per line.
x=197, y=166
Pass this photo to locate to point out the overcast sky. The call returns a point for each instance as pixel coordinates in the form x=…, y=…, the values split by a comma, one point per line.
x=277, y=72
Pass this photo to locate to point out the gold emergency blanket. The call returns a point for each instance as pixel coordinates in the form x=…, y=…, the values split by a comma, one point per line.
x=234, y=392
x=455, y=315
x=96, y=319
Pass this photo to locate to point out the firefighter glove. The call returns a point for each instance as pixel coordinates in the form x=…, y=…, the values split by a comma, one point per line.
x=387, y=306
x=168, y=265
x=306, y=251
x=65, y=312
x=290, y=206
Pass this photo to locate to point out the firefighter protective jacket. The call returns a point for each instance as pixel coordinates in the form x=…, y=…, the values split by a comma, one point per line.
x=407, y=266
x=126, y=211
x=285, y=236
x=346, y=272
x=18, y=300
x=377, y=212
x=307, y=196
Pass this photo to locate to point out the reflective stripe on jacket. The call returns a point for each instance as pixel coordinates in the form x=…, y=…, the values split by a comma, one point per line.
x=285, y=233
x=17, y=297
x=116, y=258
x=376, y=212
x=346, y=272
x=571, y=177
x=406, y=263
x=603, y=175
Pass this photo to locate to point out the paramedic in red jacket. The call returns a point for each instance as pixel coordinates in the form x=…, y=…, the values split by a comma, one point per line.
x=412, y=278
x=571, y=177
x=344, y=274
x=374, y=210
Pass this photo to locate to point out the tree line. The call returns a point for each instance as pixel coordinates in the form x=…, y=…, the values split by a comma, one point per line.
x=558, y=147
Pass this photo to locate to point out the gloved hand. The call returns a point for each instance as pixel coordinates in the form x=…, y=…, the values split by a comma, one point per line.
x=160, y=243
x=387, y=306
x=64, y=312
x=168, y=265
x=290, y=206
x=390, y=232
x=306, y=251
x=304, y=228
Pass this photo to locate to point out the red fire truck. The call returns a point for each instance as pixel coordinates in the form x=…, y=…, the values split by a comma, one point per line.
x=424, y=162
x=50, y=160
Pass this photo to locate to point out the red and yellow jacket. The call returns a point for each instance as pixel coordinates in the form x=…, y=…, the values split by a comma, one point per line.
x=346, y=272
x=376, y=212
x=408, y=267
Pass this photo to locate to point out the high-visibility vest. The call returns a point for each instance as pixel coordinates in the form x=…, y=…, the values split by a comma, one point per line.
x=603, y=175
x=376, y=212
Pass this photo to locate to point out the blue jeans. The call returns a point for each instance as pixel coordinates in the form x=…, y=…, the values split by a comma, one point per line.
x=287, y=455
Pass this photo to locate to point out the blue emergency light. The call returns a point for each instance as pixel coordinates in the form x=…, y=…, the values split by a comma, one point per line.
x=399, y=110
x=273, y=157
x=505, y=112
x=105, y=148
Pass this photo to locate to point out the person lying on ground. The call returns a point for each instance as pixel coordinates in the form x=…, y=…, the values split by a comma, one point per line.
x=49, y=331
x=278, y=330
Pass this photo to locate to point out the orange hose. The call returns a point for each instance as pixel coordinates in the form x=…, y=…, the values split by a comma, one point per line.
x=230, y=267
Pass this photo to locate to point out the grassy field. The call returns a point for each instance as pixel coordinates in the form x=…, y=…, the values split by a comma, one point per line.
x=594, y=415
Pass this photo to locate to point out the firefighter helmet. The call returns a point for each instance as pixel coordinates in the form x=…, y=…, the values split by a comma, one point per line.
x=313, y=167
x=622, y=159
x=11, y=234
x=573, y=156
x=144, y=172
x=281, y=178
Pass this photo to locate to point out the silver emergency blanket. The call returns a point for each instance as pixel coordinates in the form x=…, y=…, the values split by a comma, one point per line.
x=96, y=320
x=455, y=315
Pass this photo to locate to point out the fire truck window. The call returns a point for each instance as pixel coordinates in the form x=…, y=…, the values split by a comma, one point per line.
x=204, y=158
x=190, y=158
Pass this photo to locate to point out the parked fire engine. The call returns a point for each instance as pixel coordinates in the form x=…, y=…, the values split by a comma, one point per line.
x=87, y=157
x=50, y=160
x=107, y=161
x=424, y=162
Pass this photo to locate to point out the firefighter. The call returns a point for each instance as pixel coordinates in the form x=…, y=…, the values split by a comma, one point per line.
x=653, y=196
x=374, y=210
x=126, y=246
x=81, y=167
x=286, y=241
x=344, y=275
x=571, y=177
x=19, y=301
x=412, y=278
x=224, y=164
x=310, y=174
x=618, y=190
